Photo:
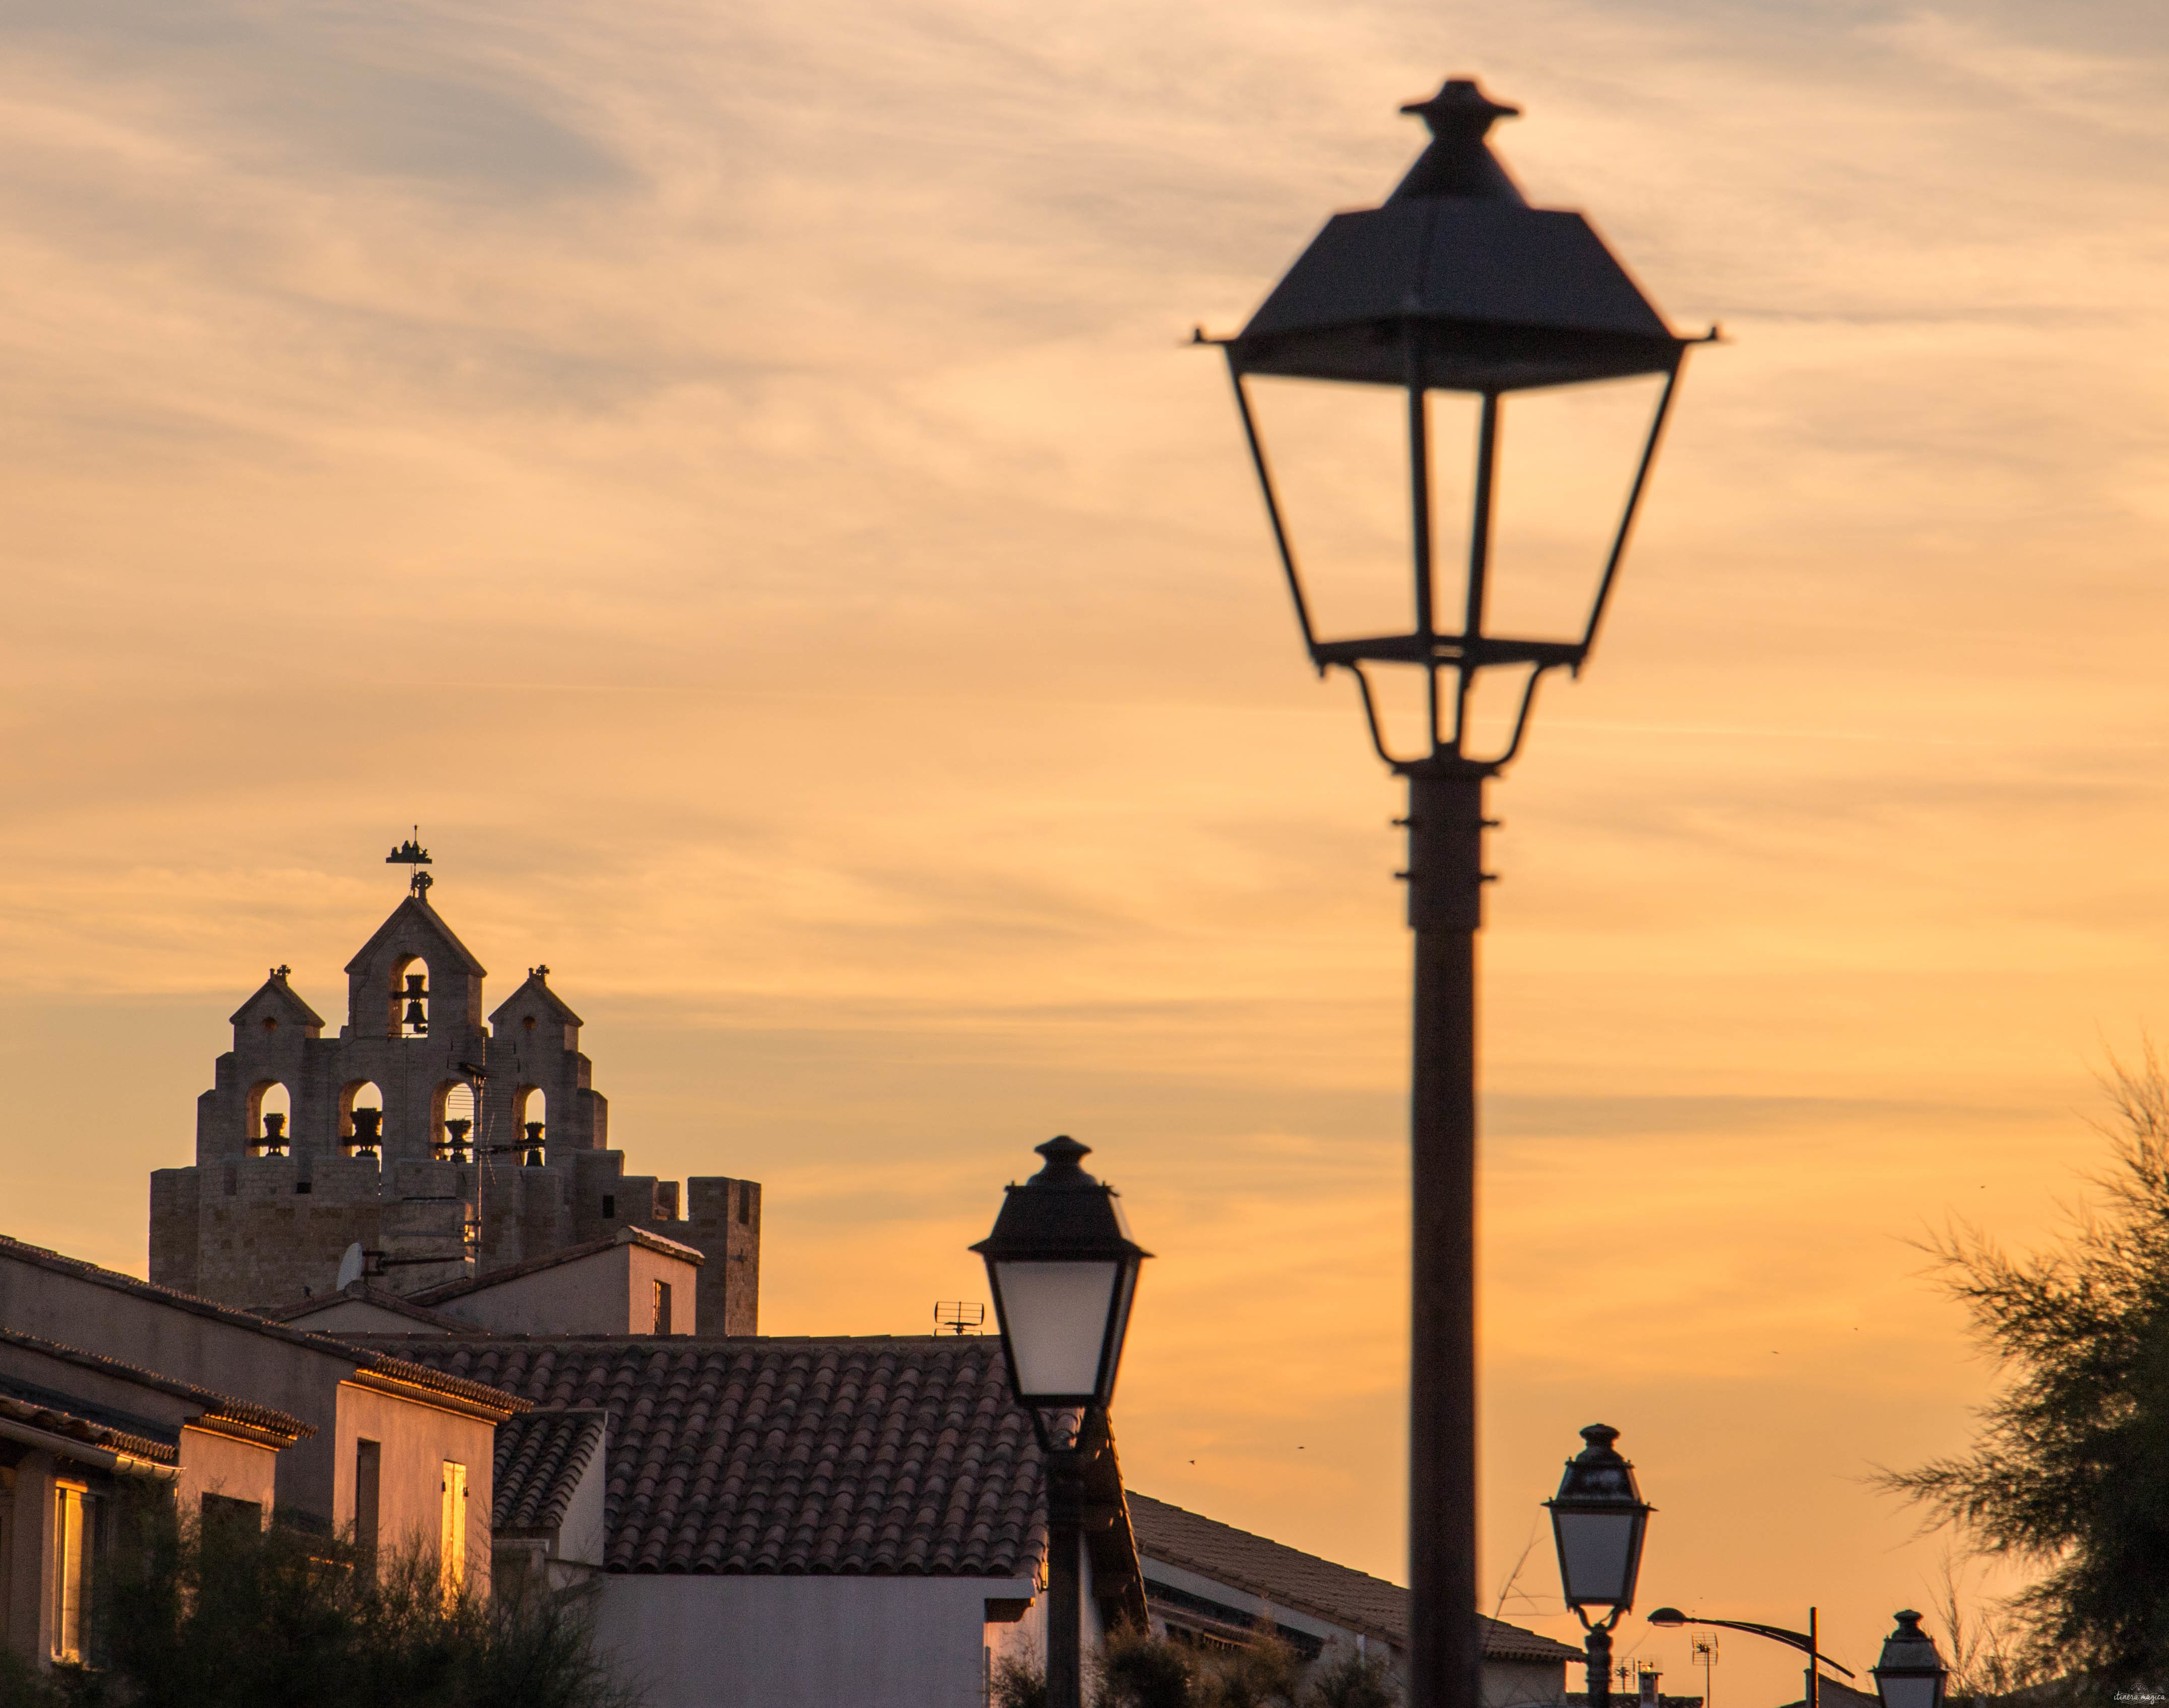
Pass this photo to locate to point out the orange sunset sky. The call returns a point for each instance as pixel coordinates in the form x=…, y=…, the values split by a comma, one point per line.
x=733, y=474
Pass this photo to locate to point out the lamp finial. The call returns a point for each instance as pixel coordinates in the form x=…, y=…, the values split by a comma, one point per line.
x=1459, y=163
x=1064, y=1156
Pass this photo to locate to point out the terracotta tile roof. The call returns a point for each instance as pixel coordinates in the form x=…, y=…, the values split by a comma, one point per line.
x=540, y=1458
x=869, y=1456
x=212, y=1404
x=1302, y=1583
x=56, y=1415
x=1510, y=1642
x=477, y=1396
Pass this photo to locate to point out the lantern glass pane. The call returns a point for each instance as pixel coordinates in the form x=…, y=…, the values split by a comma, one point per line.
x=1596, y=1550
x=1126, y=1291
x=1917, y=1691
x=1056, y=1317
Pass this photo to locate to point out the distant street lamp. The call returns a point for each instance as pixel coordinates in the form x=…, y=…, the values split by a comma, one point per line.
x=1911, y=1673
x=1064, y=1270
x=1456, y=283
x=1805, y=1641
x=1598, y=1520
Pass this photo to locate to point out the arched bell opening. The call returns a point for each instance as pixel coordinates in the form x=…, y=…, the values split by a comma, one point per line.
x=531, y=1115
x=270, y=1118
x=452, y=1120
x=407, y=1001
x=361, y=1120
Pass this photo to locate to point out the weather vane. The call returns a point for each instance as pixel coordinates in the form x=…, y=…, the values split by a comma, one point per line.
x=411, y=852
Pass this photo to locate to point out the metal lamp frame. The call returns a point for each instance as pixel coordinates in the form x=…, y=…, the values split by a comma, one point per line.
x=1469, y=651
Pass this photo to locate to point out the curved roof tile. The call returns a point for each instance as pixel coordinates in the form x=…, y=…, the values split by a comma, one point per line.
x=861, y=1455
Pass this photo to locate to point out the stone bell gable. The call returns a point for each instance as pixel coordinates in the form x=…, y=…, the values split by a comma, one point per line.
x=536, y=1036
x=440, y=1143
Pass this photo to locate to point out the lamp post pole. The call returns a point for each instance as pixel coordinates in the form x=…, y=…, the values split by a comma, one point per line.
x=1444, y=880
x=1065, y=1590
x=1596, y=1665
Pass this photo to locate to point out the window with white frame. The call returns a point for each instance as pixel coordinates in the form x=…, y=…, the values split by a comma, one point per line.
x=452, y=1531
x=75, y=1569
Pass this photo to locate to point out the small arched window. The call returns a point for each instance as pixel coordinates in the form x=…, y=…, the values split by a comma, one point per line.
x=270, y=1118
x=532, y=1113
x=408, y=1010
x=453, y=1116
x=361, y=1118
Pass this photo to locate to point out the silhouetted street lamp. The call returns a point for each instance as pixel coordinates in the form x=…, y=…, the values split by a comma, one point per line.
x=1911, y=1673
x=1456, y=283
x=1805, y=1641
x=1598, y=1518
x=1063, y=1270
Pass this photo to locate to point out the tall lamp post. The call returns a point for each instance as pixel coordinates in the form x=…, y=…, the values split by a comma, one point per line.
x=1598, y=1520
x=1456, y=283
x=1804, y=1640
x=1064, y=1270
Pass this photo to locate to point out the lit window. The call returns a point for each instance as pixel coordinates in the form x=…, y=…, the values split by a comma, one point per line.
x=75, y=1524
x=452, y=1534
x=662, y=1308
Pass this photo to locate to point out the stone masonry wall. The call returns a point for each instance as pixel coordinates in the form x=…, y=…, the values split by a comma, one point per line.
x=725, y=1229
x=249, y=1226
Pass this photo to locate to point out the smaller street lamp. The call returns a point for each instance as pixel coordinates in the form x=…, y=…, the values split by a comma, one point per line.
x=1064, y=1270
x=1911, y=1673
x=1598, y=1520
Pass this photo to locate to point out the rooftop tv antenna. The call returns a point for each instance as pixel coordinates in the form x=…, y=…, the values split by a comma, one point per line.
x=958, y=1317
x=411, y=852
x=1703, y=1649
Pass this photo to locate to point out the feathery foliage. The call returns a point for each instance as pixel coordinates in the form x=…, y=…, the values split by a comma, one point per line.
x=223, y=1615
x=1135, y=1669
x=2070, y=1469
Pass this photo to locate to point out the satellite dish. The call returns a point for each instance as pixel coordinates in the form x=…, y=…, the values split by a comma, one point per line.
x=350, y=1267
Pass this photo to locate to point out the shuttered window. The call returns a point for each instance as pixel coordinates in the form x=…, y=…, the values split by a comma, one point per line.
x=452, y=1535
x=75, y=1524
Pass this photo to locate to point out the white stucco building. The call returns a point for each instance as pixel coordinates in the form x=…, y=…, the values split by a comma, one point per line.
x=856, y=1522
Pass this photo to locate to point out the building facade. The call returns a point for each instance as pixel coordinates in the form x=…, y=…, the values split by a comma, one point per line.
x=390, y=1443
x=833, y=1522
x=73, y=1426
x=443, y=1143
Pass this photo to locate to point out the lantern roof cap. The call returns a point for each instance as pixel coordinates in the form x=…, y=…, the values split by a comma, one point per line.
x=1909, y=1649
x=1597, y=1476
x=1061, y=1214
x=1455, y=282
